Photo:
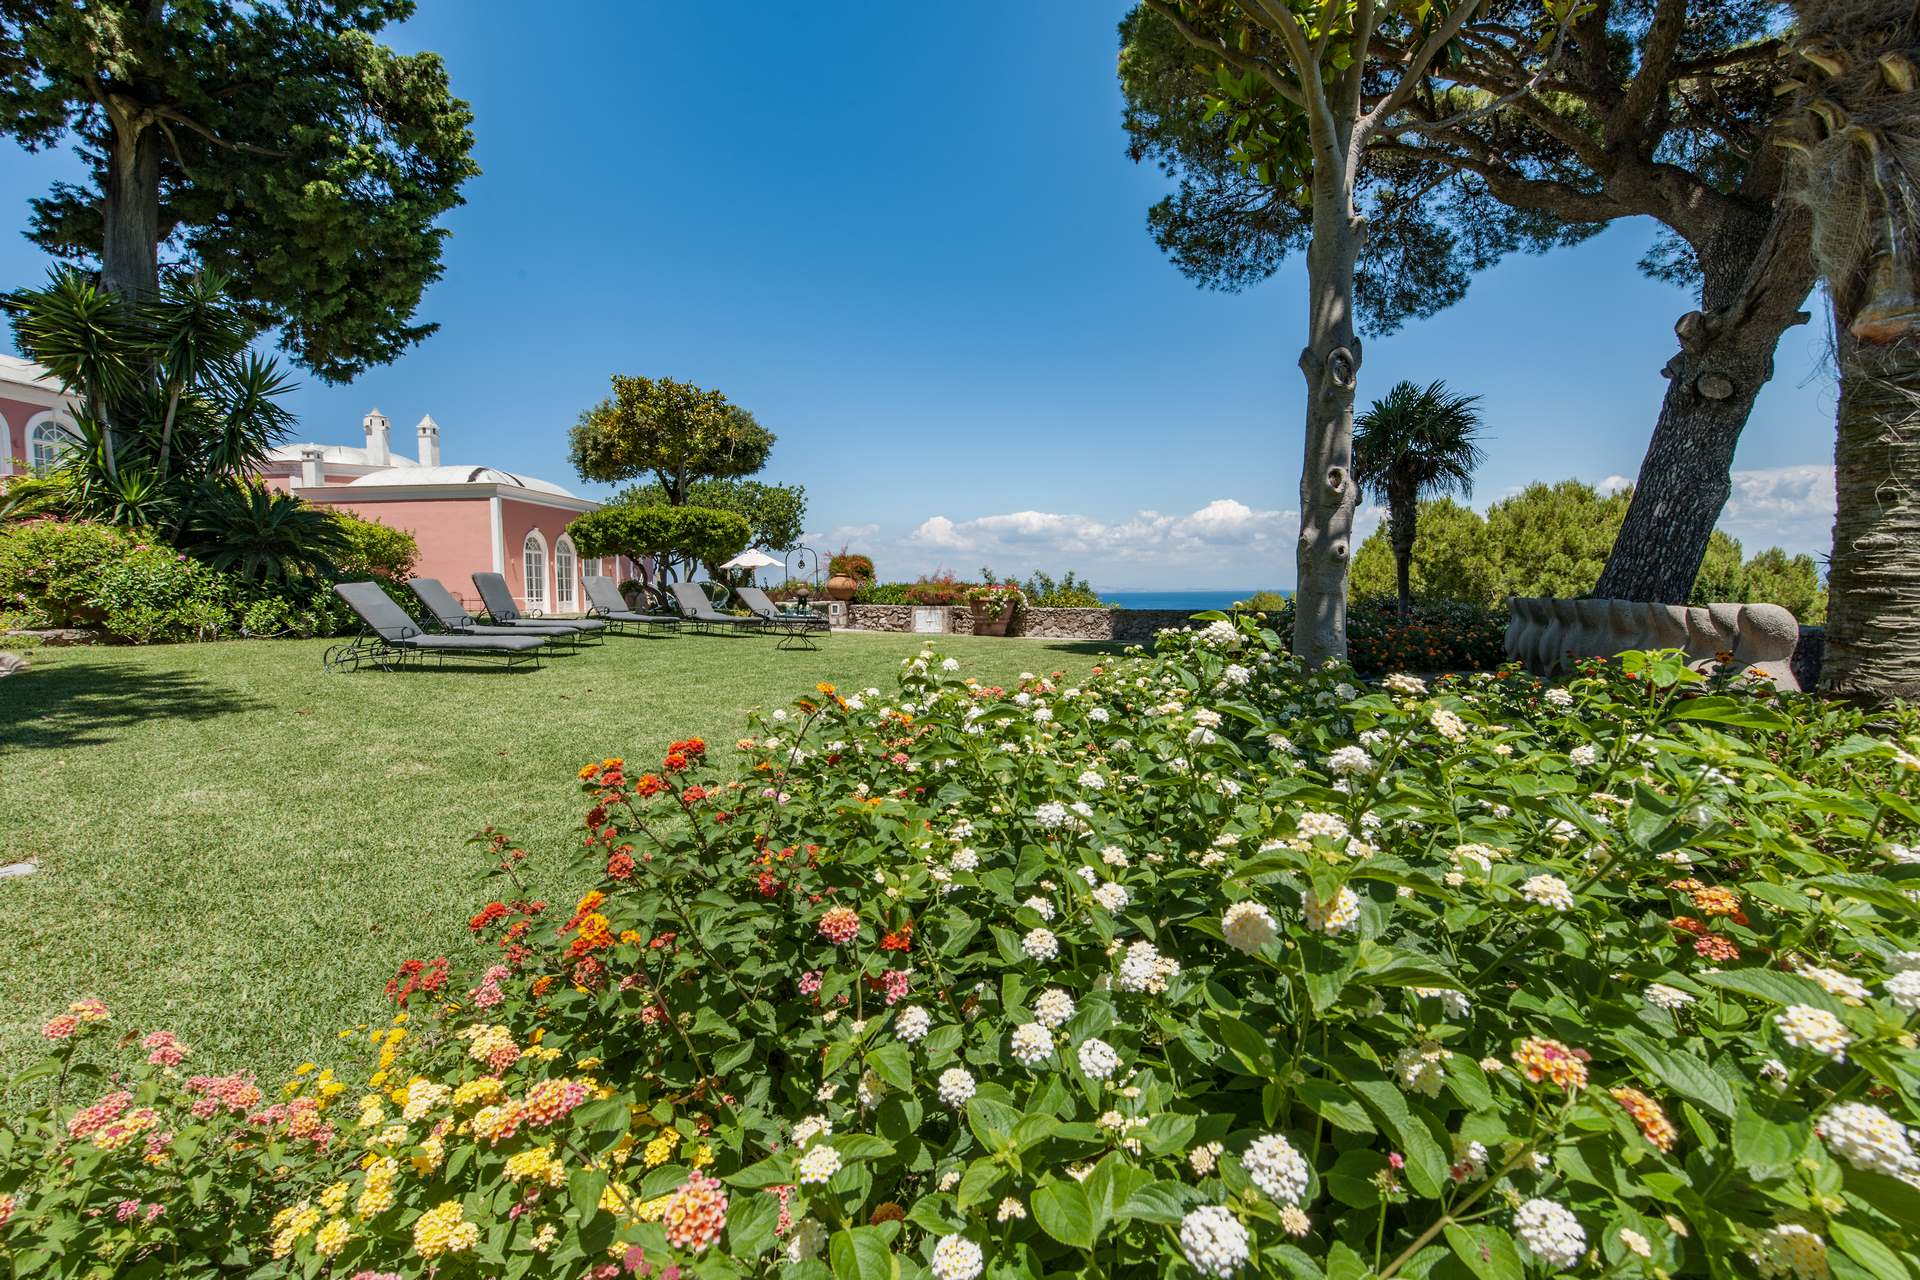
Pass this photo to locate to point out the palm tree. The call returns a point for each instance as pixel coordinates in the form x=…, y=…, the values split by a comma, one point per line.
x=1852, y=133
x=1413, y=442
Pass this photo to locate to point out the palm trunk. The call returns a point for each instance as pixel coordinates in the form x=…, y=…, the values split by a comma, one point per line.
x=1331, y=363
x=1402, y=513
x=1757, y=274
x=1873, y=592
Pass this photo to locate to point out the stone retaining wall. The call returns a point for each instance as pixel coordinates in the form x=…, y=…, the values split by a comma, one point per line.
x=1123, y=626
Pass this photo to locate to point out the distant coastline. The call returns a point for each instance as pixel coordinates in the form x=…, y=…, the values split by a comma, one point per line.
x=1220, y=598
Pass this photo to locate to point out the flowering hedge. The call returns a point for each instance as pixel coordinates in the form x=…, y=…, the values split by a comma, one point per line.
x=1209, y=966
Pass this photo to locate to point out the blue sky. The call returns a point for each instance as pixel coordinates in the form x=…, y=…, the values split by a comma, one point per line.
x=916, y=250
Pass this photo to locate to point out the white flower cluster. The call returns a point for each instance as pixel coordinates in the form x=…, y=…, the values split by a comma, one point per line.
x=956, y=1086
x=1340, y=914
x=1547, y=891
x=1248, y=927
x=1662, y=996
x=1788, y=1251
x=1145, y=970
x=1868, y=1138
x=1276, y=1168
x=1052, y=1007
x=1422, y=1068
x=1584, y=756
x=957, y=1258
x=1904, y=989
x=1032, y=1044
x=1552, y=1233
x=1350, y=761
x=1214, y=1242
x=1040, y=944
x=1448, y=725
x=1408, y=686
x=1845, y=986
x=1310, y=824
x=1097, y=1059
x=805, y=1131
x=1559, y=697
x=1040, y=906
x=1051, y=815
x=817, y=1165
x=1113, y=897
x=1805, y=1027
x=912, y=1023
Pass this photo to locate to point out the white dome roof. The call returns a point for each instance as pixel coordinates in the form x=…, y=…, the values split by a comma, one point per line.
x=415, y=475
x=344, y=455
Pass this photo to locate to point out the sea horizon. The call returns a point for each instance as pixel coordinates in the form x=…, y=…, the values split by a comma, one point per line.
x=1196, y=599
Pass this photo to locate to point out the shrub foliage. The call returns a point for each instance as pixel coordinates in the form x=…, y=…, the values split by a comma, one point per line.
x=1211, y=966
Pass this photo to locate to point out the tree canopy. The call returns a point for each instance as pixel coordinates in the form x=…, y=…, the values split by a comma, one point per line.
x=1550, y=540
x=274, y=142
x=776, y=513
x=686, y=533
x=674, y=432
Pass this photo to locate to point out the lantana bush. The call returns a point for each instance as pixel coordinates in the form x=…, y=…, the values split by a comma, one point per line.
x=1208, y=966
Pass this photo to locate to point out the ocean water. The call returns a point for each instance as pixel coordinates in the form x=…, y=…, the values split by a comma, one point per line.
x=1196, y=601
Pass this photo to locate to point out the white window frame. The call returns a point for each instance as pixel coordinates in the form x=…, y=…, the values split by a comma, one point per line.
x=52, y=432
x=566, y=587
x=533, y=578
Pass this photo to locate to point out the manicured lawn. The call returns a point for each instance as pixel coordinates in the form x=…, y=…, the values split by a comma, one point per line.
x=240, y=848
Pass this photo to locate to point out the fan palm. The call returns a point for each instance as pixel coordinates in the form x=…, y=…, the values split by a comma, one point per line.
x=1412, y=442
x=1852, y=132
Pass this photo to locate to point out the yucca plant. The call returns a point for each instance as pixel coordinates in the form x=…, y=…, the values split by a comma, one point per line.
x=173, y=403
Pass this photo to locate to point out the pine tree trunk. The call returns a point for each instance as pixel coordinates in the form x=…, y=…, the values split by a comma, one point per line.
x=1331, y=362
x=1757, y=275
x=130, y=207
x=1873, y=581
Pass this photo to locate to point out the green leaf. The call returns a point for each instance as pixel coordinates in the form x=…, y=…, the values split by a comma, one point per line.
x=1254, y=1050
x=1336, y=1104
x=1488, y=1251
x=1744, y=713
x=775, y=1171
x=1867, y=1250
x=978, y=1182
x=1062, y=1211
x=1165, y=1201
x=751, y=1225
x=1762, y=1145
x=861, y=1146
x=1772, y=984
x=1426, y=1162
x=1686, y=1075
x=605, y=1120
x=584, y=1187
x=893, y=1063
x=861, y=1254
x=992, y=1122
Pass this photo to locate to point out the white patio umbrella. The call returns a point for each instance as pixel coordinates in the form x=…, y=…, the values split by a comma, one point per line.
x=752, y=559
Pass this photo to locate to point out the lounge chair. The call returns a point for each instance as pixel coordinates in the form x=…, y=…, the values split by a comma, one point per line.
x=808, y=623
x=453, y=616
x=502, y=612
x=605, y=602
x=697, y=611
x=389, y=637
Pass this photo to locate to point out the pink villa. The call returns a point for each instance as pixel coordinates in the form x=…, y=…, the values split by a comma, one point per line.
x=467, y=519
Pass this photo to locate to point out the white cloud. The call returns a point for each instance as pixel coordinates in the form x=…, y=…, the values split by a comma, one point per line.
x=1612, y=484
x=1789, y=507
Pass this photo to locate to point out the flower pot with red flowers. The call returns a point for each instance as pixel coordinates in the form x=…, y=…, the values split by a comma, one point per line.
x=994, y=606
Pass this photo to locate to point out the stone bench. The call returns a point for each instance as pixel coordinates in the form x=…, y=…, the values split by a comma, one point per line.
x=1545, y=633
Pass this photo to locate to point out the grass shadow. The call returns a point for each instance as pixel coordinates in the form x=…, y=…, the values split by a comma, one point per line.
x=82, y=704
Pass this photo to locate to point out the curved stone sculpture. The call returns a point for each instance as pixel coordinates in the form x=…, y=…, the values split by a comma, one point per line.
x=1543, y=631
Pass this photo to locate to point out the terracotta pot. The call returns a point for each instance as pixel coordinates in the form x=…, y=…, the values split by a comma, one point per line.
x=841, y=587
x=990, y=620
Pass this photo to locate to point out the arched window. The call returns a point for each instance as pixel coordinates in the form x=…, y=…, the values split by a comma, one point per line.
x=565, y=596
x=533, y=553
x=46, y=442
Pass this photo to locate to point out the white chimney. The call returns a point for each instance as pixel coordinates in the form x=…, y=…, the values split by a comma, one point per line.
x=310, y=477
x=429, y=433
x=376, y=425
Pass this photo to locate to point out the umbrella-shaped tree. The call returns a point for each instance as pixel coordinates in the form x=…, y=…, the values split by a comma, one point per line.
x=1412, y=442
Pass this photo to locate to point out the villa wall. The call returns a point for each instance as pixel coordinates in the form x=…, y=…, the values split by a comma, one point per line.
x=455, y=537
x=15, y=414
x=1124, y=626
